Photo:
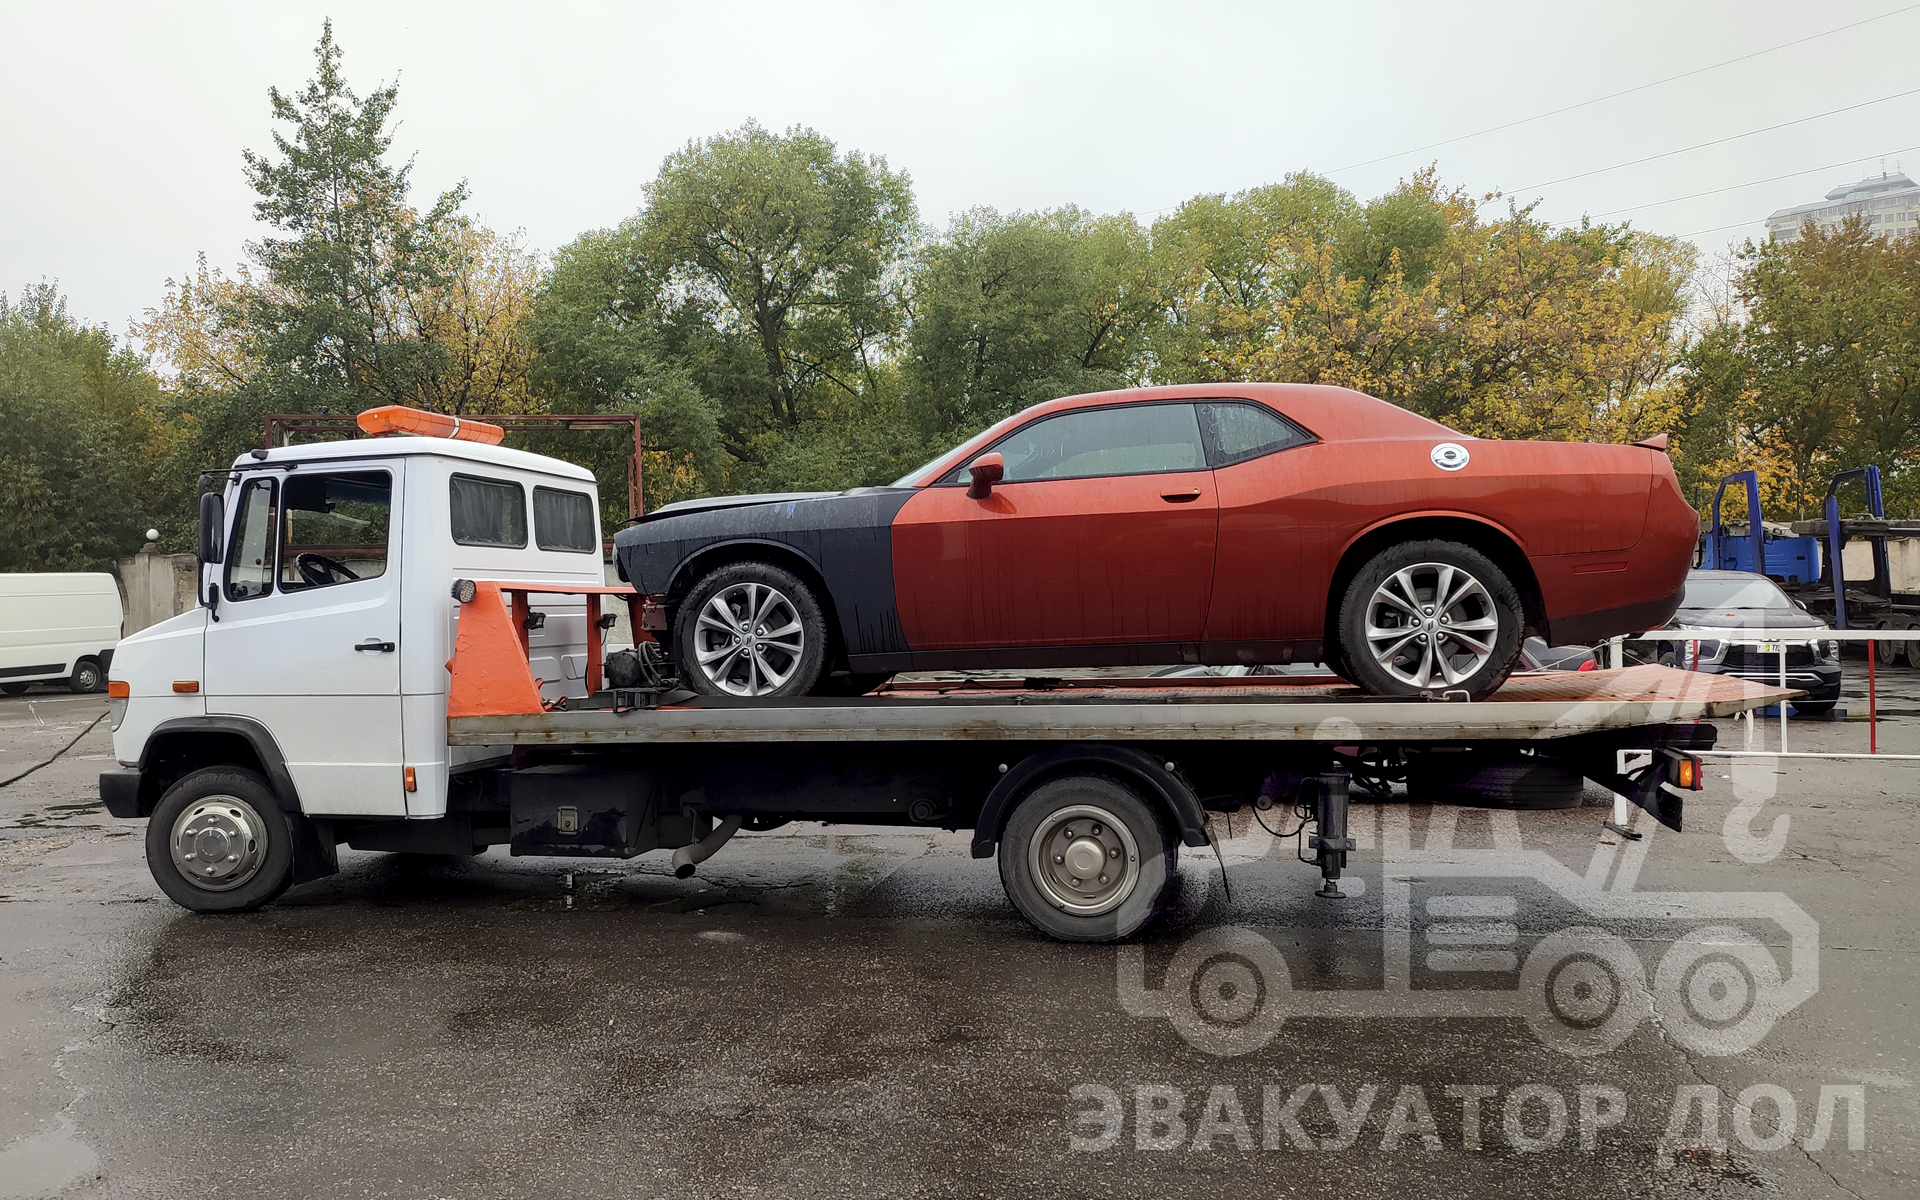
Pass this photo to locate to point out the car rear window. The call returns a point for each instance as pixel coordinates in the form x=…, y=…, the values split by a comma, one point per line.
x=1242, y=431
x=488, y=512
x=563, y=520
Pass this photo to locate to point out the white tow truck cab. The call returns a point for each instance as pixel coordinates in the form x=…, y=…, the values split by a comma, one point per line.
x=305, y=704
x=318, y=654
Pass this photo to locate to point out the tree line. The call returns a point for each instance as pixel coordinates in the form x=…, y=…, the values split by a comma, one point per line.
x=780, y=316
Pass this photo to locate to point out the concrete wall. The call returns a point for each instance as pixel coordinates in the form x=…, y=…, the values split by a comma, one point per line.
x=1903, y=562
x=155, y=586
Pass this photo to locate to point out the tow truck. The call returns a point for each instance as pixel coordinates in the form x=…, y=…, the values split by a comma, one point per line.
x=401, y=645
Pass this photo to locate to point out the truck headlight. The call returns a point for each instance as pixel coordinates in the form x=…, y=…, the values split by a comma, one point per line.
x=1830, y=651
x=116, y=712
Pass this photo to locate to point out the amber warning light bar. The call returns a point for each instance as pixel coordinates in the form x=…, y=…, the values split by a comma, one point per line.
x=399, y=419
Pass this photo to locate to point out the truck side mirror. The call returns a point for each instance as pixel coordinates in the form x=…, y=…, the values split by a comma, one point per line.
x=213, y=526
x=986, y=471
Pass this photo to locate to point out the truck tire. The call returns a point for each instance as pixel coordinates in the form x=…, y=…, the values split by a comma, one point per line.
x=1093, y=823
x=750, y=629
x=218, y=843
x=87, y=677
x=15, y=689
x=1431, y=617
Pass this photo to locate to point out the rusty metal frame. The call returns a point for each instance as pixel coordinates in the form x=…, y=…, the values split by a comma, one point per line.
x=280, y=428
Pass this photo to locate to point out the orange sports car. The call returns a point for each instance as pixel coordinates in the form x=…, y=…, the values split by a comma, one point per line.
x=1205, y=523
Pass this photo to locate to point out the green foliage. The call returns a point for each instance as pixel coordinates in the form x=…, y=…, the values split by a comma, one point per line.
x=1009, y=311
x=74, y=484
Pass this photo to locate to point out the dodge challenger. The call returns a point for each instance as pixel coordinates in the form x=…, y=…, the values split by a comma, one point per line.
x=1215, y=524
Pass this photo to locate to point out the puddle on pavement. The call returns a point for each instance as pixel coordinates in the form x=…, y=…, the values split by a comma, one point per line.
x=42, y=1165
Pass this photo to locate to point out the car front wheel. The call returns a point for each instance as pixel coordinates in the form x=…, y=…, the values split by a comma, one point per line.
x=750, y=629
x=1428, y=618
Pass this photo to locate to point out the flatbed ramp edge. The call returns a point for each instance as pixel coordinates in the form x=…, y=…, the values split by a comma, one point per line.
x=1529, y=707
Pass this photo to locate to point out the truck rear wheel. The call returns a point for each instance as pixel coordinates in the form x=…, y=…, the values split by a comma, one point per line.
x=217, y=842
x=87, y=677
x=1085, y=859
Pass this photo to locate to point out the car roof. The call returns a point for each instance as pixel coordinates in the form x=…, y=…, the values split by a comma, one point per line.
x=1332, y=414
x=386, y=447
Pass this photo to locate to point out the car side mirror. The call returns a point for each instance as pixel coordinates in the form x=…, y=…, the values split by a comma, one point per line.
x=986, y=471
x=213, y=526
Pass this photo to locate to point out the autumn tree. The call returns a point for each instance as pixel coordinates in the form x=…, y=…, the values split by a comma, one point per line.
x=1816, y=369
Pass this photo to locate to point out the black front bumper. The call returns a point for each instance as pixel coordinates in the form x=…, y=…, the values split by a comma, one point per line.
x=1820, y=681
x=120, y=791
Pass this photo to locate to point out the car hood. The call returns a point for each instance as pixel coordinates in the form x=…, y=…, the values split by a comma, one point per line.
x=1747, y=618
x=680, y=508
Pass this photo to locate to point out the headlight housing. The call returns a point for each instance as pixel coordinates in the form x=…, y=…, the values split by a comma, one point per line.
x=1709, y=651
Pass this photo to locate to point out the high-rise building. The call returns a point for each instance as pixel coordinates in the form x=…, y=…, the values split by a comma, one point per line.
x=1890, y=204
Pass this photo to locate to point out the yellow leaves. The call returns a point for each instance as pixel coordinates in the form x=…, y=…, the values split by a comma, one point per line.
x=478, y=316
x=190, y=333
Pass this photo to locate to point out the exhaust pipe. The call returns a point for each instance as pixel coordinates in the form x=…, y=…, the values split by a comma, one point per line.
x=686, y=858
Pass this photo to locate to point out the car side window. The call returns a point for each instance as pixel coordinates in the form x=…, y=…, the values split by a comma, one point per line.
x=488, y=512
x=1238, y=431
x=333, y=528
x=250, y=550
x=1133, y=439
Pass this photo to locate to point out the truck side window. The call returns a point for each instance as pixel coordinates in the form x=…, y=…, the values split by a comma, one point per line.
x=250, y=552
x=563, y=520
x=488, y=512
x=333, y=527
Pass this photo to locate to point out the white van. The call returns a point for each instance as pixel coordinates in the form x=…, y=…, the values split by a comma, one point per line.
x=58, y=627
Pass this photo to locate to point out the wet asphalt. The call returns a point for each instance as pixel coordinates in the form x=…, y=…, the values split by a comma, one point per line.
x=856, y=1011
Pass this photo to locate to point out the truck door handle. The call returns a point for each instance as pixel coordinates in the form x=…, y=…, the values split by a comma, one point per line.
x=371, y=644
x=1180, y=497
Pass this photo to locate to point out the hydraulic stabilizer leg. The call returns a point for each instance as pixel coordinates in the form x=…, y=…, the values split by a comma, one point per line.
x=1330, y=840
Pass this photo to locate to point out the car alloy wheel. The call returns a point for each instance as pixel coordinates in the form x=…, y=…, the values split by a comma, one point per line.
x=749, y=639
x=1431, y=625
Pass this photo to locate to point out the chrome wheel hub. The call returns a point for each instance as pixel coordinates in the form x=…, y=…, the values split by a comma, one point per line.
x=749, y=640
x=1431, y=625
x=218, y=843
x=1085, y=860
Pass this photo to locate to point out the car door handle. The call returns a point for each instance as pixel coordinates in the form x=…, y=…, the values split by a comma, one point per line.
x=1180, y=497
x=372, y=644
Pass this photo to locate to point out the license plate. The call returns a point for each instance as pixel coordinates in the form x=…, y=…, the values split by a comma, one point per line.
x=1769, y=647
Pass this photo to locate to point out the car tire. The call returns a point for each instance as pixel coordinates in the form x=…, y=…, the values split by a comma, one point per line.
x=1397, y=582
x=87, y=677
x=15, y=689
x=1040, y=836
x=789, y=662
x=206, y=812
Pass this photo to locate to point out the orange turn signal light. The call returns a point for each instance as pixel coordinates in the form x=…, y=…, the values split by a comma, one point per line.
x=1686, y=773
x=118, y=689
x=411, y=781
x=186, y=687
x=398, y=418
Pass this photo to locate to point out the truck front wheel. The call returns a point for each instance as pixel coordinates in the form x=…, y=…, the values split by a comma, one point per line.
x=217, y=842
x=1085, y=859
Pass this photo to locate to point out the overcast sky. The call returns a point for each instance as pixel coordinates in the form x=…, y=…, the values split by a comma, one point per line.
x=123, y=123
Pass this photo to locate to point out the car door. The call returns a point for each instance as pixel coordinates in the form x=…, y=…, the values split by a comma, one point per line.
x=308, y=633
x=1273, y=571
x=1102, y=531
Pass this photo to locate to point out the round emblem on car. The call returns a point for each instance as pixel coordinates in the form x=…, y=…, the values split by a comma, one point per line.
x=1449, y=456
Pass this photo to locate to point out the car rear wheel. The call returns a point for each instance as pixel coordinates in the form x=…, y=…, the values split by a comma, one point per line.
x=1431, y=617
x=750, y=629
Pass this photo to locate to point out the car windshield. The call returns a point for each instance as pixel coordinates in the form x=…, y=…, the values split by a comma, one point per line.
x=907, y=479
x=1734, y=594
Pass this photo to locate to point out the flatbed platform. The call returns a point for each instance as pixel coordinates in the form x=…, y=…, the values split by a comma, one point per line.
x=1254, y=708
